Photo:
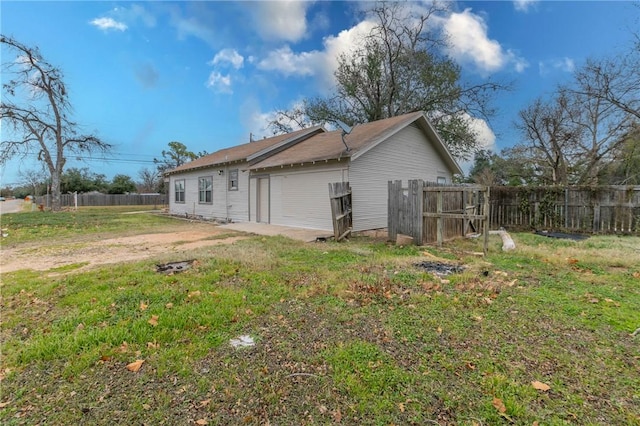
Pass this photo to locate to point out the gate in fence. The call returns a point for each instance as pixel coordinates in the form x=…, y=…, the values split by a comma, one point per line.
x=432, y=213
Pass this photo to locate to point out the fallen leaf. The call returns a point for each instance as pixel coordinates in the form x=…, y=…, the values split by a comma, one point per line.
x=4, y=404
x=143, y=306
x=194, y=294
x=146, y=406
x=497, y=402
x=337, y=416
x=105, y=358
x=636, y=275
x=202, y=422
x=135, y=366
x=205, y=402
x=572, y=261
x=153, y=345
x=169, y=305
x=154, y=320
x=124, y=347
x=80, y=326
x=540, y=386
x=439, y=330
x=401, y=407
x=593, y=300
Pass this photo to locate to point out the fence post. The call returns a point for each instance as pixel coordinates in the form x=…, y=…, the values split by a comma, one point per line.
x=596, y=217
x=439, y=218
x=485, y=246
x=393, y=209
x=415, y=207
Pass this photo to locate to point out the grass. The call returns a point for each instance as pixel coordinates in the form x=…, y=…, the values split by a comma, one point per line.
x=348, y=333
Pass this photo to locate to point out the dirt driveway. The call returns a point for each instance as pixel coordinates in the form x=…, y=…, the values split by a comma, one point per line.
x=98, y=251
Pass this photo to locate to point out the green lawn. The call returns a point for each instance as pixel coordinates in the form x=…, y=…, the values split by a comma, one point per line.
x=349, y=333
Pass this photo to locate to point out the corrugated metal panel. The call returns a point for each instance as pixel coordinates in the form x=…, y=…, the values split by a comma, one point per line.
x=300, y=196
x=226, y=204
x=406, y=155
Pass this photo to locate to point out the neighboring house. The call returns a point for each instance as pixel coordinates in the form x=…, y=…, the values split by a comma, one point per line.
x=284, y=180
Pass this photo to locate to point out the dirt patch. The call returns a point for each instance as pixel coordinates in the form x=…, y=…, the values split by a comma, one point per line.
x=112, y=250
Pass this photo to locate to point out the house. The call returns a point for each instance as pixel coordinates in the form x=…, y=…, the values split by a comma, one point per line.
x=284, y=180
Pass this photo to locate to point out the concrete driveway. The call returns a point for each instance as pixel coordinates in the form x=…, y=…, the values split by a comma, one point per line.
x=301, y=234
x=11, y=206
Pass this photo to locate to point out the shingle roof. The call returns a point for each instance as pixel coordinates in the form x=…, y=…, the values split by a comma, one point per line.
x=316, y=144
x=329, y=145
x=242, y=152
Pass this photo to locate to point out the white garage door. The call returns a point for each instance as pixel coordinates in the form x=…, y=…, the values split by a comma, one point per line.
x=302, y=199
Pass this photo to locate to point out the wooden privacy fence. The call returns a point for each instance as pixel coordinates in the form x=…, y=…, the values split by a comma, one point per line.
x=601, y=209
x=98, y=200
x=431, y=213
x=340, y=197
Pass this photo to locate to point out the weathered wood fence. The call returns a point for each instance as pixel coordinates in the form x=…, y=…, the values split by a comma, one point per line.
x=99, y=200
x=601, y=209
x=340, y=197
x=432, y=213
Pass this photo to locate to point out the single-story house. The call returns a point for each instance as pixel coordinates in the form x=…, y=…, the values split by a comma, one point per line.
x=283, y=180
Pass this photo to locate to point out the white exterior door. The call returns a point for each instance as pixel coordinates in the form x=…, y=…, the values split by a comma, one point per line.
x=262, y=200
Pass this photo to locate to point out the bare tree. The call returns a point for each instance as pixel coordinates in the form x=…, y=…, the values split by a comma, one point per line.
x=149, y=180
x=397, y=68
x=615, y=81
x=36, y=111
x=34, y=179
x=550, y=135
x=602, y=127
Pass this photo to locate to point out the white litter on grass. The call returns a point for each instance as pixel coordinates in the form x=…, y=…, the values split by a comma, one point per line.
x=242, y=341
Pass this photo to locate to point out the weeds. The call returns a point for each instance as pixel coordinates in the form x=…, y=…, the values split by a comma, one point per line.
x=348, y=333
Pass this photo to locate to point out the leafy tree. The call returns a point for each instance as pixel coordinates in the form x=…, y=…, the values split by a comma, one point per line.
x=36, y=114
x=83, y=180
x=396, y=69
x=175, y=156
x=122, y=184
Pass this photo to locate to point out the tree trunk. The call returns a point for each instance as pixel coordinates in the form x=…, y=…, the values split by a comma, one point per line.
x=55, y=191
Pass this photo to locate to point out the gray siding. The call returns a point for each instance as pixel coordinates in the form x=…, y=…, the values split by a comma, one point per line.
x=406, y=155
x=300, y=195
x=226, y=204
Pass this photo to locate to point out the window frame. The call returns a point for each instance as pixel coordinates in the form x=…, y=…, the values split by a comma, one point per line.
x=202, y=192
x=179, y=187
x=441, y=180
x=231, y=180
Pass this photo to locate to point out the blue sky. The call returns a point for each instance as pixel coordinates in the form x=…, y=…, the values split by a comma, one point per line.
x=209, y=73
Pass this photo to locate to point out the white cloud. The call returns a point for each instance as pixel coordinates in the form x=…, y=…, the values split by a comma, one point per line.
x=470, y=43
x=219, y=83
x=106, y=24
x=321, y=63
x=285, y=61
x=485, y=137
x=563, y=64
x=524, y=5
x=228, y=56
x=281, y=20
x=192, y=27
x=136, y=12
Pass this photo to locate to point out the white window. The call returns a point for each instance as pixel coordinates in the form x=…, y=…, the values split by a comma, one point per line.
x=441, y=180
x=205, y=190
x=179, y=191
x=233, y=180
